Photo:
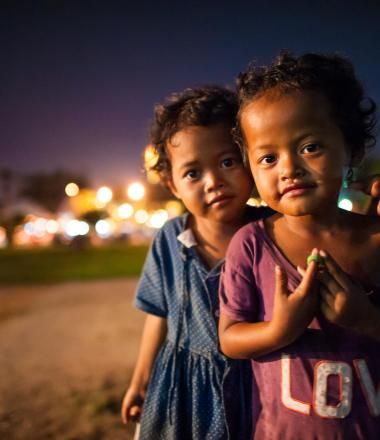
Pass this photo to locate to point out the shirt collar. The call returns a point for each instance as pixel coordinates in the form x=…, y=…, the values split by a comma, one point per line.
x=187, y=238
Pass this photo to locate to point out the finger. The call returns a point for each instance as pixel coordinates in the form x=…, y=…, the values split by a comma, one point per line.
x=281, y=282
x=301, y=270
x=328, y=282
x=123, y=413
x=326, y=310
x=308, y=278
x=375, y=187
x=326, y=296
x=374, y=190
x=335, y=271
x=134, y=412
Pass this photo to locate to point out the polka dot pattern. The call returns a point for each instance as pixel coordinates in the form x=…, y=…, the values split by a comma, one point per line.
x=185, y=395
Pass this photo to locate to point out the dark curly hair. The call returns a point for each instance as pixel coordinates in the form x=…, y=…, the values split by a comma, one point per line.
x=332, y=75
x=203, y=106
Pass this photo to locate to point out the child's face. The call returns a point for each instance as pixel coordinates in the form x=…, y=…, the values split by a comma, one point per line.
x=208, y=173
x=296, y=152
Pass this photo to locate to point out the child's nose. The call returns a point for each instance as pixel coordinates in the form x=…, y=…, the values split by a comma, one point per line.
x=291, y=167
x=213, y=181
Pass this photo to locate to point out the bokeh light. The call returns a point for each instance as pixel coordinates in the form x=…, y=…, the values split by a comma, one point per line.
x=104, y=195
x=125, y=210
x=136, y=191
x=72, y=189
x=158, y=218
x=141, y=216
x=52, y=226
x=345, y=204
x=104, y=228
x=76, y=227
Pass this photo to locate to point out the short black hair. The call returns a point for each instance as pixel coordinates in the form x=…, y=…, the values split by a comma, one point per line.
x=202, y=106
x=332, y=75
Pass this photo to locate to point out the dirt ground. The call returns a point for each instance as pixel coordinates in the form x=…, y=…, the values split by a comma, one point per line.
x=66, y=355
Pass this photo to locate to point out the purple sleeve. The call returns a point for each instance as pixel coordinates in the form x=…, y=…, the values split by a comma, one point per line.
x=237, y=291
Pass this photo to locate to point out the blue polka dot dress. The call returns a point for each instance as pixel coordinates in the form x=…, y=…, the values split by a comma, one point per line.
x=193, y=388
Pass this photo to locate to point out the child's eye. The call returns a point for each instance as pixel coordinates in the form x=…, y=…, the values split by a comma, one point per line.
x=192, y=174
x=310, y=148
x=228, y=163
x=268, y=159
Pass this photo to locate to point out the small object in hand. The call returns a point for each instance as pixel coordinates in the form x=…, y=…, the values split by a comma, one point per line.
x=318, y=259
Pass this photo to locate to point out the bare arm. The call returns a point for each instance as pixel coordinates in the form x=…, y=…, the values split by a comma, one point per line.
x=154, y=334
x=292, y=313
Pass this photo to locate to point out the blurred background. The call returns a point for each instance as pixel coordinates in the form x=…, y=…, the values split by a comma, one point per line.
x=78, y=82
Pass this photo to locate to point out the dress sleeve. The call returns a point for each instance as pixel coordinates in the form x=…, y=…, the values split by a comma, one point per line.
x=237, y=289
x=150, y=293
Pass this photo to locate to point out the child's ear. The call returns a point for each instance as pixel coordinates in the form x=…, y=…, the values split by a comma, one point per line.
x=172, y=188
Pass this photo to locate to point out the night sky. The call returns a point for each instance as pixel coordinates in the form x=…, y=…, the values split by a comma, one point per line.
x=78, y=79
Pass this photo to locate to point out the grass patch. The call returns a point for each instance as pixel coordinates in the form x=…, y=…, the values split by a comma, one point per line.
x=64, y=263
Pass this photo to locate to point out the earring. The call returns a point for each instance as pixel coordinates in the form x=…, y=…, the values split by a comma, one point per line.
x=348, y=178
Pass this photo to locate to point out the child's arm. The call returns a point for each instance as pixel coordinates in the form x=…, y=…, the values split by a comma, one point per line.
x=154, y=334
x=292, y=313
x=345, y=303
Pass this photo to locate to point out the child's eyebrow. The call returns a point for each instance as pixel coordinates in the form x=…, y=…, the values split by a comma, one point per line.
x=264, y=147
x=188, y=164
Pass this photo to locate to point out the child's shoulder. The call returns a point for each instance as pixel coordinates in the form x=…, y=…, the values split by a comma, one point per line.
x=171, y=230
x=248, y=238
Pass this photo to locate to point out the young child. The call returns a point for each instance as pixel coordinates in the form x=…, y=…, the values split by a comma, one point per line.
x=182, y=386
x=313, y=335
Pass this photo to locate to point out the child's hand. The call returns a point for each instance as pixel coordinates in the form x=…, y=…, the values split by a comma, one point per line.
x=370, y=186
x=375, y=191
x=343, y=302
x=132, y=405
x=293, y=311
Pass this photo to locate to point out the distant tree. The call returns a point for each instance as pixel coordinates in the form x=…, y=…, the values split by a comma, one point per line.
x=92, y=217
x=48, y=189
x=9, y=220
x=9, y=224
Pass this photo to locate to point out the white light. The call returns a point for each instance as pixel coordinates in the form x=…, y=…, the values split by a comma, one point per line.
x=253, y=202
x=52, y=226
x=29, y=228
x=136, y=191
x=3, y=237
x=345, y=204
x=158, y=219
x=76, y=227
x=103, y=228
x=141, y=216
x=71, y=189
x=40, y=227
x=125, y=210
x=104, y=194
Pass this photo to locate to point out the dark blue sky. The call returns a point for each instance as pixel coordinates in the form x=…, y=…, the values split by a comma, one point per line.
x=78, y=79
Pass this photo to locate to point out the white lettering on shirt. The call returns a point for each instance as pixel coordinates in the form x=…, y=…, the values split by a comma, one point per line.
x=322, y=371
x=371, y=394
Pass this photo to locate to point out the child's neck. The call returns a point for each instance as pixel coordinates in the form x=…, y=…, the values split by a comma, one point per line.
x=315, y=225
x=213, y=238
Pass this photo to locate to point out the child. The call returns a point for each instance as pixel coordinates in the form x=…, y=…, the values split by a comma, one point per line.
x=182, y=384
x=314, y=339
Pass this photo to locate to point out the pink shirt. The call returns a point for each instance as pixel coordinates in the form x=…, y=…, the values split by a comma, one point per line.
x=325, y=385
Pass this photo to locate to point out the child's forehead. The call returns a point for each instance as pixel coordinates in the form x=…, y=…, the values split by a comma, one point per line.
x=277, y=108
x=200, y=142
x=201, y=136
